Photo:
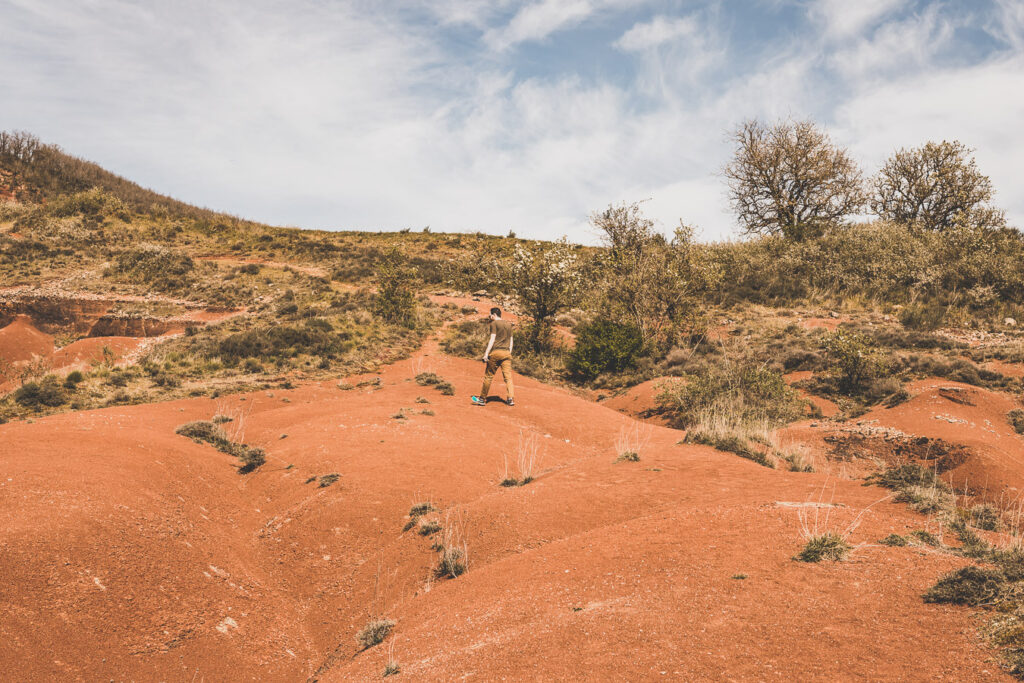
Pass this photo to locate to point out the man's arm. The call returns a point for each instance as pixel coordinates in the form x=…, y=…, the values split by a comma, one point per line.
x=511, y=339
x=490, y=343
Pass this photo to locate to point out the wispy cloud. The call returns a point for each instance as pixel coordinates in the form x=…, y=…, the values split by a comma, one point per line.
x=842, y=18
x=539, y=20
x=657, y=31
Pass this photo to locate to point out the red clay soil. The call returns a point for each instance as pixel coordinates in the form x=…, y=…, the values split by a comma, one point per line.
x=1004, y=368
x=828, y=408
x=131, y=553
x=640, y=401
x=90, y=350
x=972, y=417
x=21, y=341
x=959, y=429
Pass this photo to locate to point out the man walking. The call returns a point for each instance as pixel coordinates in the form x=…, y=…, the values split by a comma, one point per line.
x=497, y=355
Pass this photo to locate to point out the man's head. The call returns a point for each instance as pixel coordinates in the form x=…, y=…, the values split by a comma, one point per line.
x=495, y=313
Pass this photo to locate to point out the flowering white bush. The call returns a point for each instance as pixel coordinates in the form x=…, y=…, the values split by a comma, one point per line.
x=545, y=279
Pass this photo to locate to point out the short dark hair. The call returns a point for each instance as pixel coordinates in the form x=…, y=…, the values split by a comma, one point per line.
x=496, y=311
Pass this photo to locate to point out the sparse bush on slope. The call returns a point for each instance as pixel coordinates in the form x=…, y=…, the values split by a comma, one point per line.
x=741, y=395
x=47, y=392
x=604, y=346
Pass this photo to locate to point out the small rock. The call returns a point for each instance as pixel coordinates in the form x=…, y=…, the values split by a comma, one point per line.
x=1009, y=322
x=480, y=292
x=833, y=314
x=284, y=436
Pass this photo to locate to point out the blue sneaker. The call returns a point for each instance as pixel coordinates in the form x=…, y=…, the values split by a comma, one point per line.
x=477, y=401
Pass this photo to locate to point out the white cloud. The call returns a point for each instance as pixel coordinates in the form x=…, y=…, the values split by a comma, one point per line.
x=655, y=32
x=843, y=18
x=539, y=20
x=896, y=47
x=1008, y=23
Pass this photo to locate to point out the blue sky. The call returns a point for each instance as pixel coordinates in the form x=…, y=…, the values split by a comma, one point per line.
x=496, y=115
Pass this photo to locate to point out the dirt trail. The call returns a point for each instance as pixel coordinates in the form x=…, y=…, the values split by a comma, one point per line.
x=133, y=553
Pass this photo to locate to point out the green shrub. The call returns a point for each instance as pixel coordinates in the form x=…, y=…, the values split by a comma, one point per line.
x=451, y=563
x=211, y=433
x=1016, y=420
x=737, y=395
x=852, y=358
x=926, y=537
x=328, y=479
x=927, y=500
x=604, y=346
x=428, y=528
x=74, y=378
x=48, y=392
x=91, y=203
x=967, y=586
x=827, y=546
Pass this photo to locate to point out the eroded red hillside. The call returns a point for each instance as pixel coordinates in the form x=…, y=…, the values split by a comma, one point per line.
x=132, y=553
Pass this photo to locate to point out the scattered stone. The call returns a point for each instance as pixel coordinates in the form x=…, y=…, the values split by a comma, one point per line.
x=833, y=314
x=1009, y=322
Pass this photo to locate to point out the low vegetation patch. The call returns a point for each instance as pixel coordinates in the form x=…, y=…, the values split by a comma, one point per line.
x=894, y=540
x=451, y=563
x=730, y=442
x=429, y=379
x=998, y=588
x=430, y=527
x=828, y=546
x=374, y=632
x=213, y=434
x=526, y=459
x=157, y=267
x=417, y=511
x=328, y=479
x=48, y=392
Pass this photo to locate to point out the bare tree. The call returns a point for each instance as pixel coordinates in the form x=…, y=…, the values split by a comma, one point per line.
x=789, y=179
x=934, y=187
